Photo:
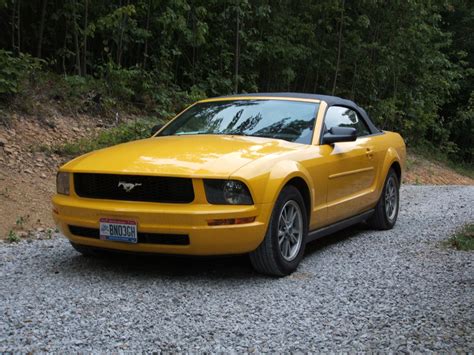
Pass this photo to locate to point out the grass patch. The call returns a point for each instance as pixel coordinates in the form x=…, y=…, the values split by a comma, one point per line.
x=124, y=132
x=463, y=239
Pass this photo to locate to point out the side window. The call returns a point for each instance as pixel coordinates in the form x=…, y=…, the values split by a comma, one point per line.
x=337, y=116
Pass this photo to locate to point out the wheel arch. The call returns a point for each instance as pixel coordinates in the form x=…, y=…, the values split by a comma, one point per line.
x=398, y=170
x=392, y=161
x=301, y=185
x=290, y=174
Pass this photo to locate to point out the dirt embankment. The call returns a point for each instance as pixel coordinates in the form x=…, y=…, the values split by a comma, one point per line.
x=28, y=168
x=425, y=172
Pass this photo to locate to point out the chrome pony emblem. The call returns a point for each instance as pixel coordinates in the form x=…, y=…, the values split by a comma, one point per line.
x=127, y=186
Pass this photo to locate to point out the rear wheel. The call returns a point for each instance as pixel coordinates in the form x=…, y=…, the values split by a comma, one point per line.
x=283, y=246
x=386, y=211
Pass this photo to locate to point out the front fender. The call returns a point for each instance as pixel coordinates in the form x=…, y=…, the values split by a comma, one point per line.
x=266, y=186
x=281, y=174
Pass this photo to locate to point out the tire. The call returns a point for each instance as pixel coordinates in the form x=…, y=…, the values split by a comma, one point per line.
x=85, y=250
x=283, y=246
x=386, y=210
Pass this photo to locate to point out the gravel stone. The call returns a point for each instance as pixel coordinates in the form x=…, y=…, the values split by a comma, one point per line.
x=359, y=290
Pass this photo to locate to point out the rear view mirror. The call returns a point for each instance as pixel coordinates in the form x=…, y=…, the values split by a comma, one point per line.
x=156, y=128
x=340, y=134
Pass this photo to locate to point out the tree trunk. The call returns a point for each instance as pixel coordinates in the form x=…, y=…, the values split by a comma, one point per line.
x=19, y=26
x=145, y=51
x=316, y=81
x=339, y=46
x=64, y=50
x=237, y=49
x=76, y=40
x=354, y=80
x=41, y=29
x=122, y=30
x=13, y=27
x=84, y=45
x=194, y=19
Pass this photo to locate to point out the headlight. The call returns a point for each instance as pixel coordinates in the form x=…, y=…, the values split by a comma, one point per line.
x=62, y=183
x=227, y=192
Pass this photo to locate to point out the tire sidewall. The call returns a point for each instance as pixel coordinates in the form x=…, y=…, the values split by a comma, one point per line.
x=389, y=222
x=288, y=193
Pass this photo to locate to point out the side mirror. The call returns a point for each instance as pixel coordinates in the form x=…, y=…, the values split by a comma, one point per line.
x=156, y=128
x=340, y=134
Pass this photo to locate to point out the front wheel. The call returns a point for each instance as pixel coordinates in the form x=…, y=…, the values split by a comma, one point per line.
x=283, y=246
x=386, y=211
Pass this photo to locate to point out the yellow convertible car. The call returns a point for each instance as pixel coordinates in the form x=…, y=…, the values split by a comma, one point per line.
x=262, y=174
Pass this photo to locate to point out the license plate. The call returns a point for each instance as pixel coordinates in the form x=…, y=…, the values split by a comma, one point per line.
x=118, y=230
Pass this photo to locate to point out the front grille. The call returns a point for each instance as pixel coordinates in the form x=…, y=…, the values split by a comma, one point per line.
x=140, y=188
x=145, y=238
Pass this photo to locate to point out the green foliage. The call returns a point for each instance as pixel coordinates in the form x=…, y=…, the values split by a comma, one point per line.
x=409, y=63
x=463, y=239
x=124, y=132
x=460, y=129
x=14, y=70
x=49, y=233
x=12, y=237
x=75, y=93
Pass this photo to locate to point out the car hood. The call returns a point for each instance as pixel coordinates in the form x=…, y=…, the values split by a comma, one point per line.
x=191, y=156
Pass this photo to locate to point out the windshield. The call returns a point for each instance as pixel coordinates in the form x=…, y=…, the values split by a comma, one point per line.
x=282, y=119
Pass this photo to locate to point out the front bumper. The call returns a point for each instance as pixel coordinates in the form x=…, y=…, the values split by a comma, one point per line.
x=182, y=219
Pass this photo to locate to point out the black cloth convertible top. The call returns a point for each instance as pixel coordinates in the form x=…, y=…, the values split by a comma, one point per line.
x=330, y=100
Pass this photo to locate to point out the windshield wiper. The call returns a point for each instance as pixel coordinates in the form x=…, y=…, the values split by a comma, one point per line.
x=191, y=133
x=235, y=133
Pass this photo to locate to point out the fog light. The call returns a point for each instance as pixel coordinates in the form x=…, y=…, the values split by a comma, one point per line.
x=228, y=221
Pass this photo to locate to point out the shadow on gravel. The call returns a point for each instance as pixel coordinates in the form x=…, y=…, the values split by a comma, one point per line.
x=157, y=266
x=320, y=244
x=167, y=266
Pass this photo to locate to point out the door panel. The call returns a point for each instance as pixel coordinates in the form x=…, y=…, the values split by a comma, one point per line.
x=351, y=174
x=351, y=167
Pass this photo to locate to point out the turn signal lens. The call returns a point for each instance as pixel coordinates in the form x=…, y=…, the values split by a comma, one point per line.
x=228, y=221
x=62, y=183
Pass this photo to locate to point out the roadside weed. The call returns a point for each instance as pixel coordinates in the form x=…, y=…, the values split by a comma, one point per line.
x=12, y=237
x=49, y=233
x=463, y=239
x=22, y=220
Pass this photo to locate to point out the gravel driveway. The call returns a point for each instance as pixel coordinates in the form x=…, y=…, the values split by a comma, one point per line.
x=396, y=290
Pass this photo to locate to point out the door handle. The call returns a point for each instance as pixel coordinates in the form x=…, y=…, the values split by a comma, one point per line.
x=369, y=152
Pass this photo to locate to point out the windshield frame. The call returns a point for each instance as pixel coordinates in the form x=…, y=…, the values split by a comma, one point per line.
x=248, y=98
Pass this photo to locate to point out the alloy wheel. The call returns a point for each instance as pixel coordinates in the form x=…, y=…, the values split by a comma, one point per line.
x=391, y=198
x=290, y=230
